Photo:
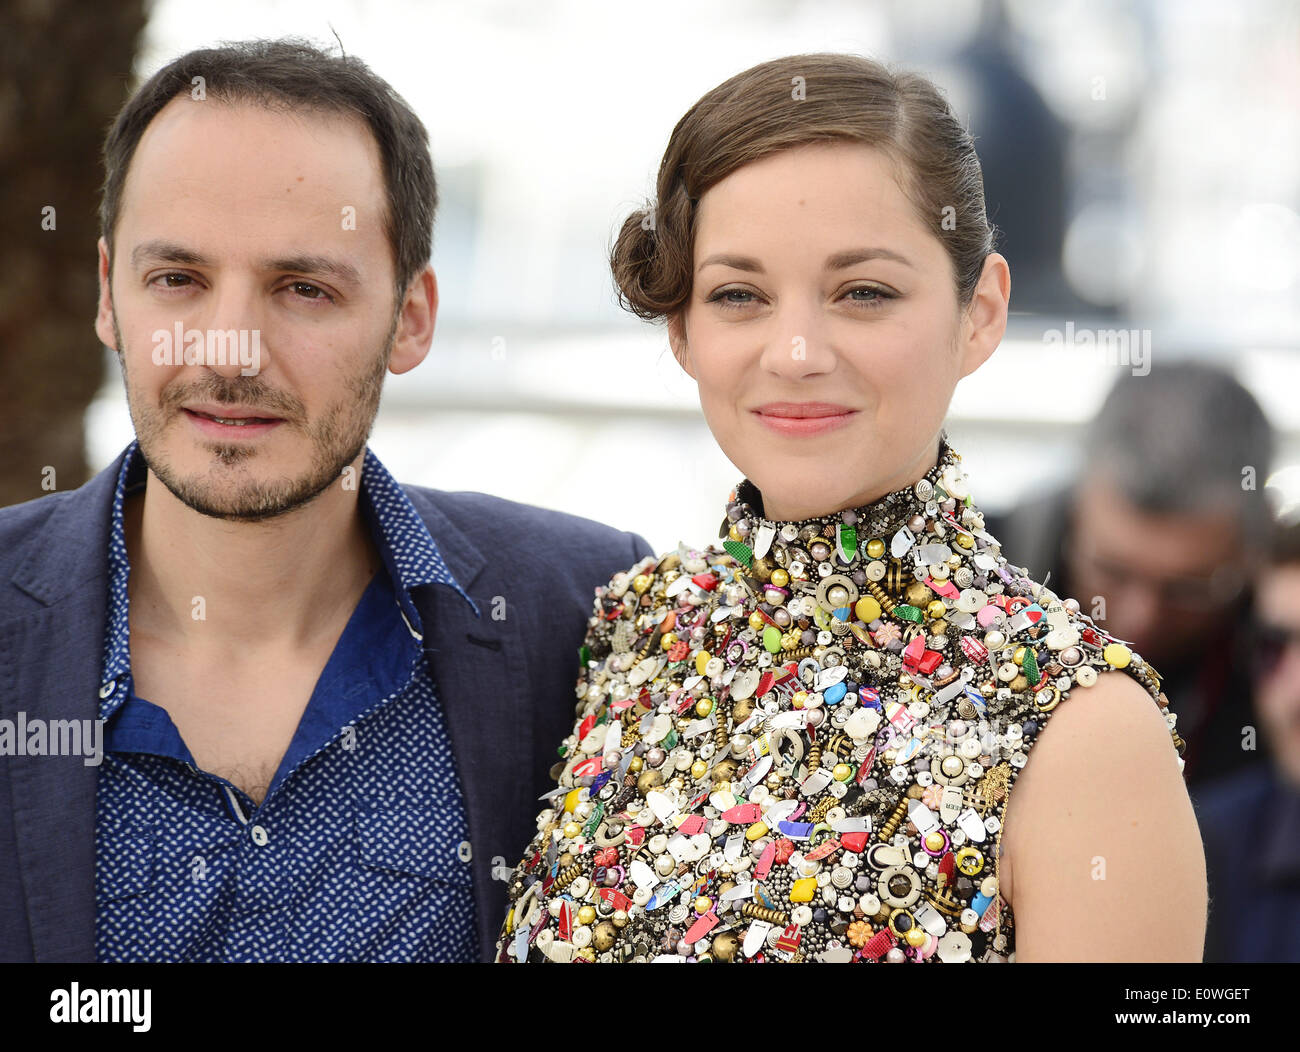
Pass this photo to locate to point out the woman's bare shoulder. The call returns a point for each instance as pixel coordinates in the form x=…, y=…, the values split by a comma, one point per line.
x=1100, y=816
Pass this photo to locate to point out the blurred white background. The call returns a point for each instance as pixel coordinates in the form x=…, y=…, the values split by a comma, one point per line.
x=1143, y=159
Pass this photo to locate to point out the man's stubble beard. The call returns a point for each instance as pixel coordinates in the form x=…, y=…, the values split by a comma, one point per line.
x=337, y=439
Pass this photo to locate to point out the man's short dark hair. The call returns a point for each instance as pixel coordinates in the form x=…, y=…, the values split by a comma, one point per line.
x=297, y=75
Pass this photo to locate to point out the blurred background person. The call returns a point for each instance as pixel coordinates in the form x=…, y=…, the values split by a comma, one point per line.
x=1158, y=539
x=1250, y=821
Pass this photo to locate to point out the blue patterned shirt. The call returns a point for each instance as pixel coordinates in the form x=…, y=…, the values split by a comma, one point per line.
x=358, y=852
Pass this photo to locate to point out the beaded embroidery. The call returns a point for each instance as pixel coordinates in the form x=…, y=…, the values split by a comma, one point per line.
x=799, y=745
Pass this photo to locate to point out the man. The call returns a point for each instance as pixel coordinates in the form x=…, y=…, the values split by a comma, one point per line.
x=329, y=700
x=1158, y=538
x=1250, y=821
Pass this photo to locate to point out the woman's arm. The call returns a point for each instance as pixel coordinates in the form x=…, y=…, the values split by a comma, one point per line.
x=1100, y=833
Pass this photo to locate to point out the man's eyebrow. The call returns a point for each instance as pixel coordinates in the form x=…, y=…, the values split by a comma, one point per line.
x=173, y=252
x=324, y=266
x=165, y=252
x=837, y=261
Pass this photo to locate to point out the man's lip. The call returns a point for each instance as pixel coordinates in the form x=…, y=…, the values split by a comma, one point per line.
x=803, y=410
x=227, y=414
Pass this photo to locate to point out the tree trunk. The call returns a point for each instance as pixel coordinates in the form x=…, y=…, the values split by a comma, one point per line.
x=65, y=70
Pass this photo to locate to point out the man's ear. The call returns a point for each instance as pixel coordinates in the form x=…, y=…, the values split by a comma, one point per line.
x=677, y=341
x=104, y=314
x=415, y=325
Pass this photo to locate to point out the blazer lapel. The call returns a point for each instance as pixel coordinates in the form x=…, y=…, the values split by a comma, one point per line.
x=482, y=676
x=51, y=668
x=481, y=671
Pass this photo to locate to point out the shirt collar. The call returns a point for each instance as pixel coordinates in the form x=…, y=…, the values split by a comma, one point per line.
x=408, y=549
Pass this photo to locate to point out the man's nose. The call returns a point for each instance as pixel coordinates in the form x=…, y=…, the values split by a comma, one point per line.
x=233, y=342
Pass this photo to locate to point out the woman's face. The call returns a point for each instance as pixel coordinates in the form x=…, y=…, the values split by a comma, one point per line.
x=823, y=328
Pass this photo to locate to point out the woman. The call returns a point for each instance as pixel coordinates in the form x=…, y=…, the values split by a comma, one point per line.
x=800, y=744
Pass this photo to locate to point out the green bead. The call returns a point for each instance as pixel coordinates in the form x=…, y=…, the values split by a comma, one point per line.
x=771, y=638
x=1030, y=667
x=909, y=613
x=739, y=551
x=593, y=823
x=848, y=539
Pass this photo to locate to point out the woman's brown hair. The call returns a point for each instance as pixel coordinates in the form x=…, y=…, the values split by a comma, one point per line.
x=795, y=101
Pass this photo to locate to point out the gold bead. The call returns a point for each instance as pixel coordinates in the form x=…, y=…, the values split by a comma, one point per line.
x=586, y=914
x=723, y=772
x=867, y=609
x=935, y=609
x=756, y=621
x=668, y=640
x=780, y=578
x=725, y=945
x=917, y=594
x=641, y=582
x=604, y=935
x=703, y=707
x=875, y=548
x=648, y=780
x=699, y=769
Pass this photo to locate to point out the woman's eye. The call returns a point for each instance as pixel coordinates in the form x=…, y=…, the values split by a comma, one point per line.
x=725, y=297
x=871, y=297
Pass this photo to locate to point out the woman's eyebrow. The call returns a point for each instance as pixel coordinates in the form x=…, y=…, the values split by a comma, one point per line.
x=836, y=261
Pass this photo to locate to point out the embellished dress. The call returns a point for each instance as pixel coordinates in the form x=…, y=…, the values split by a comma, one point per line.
x=798, y=745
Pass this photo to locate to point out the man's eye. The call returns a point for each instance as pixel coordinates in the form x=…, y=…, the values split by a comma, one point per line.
x=174, y=281
x=309, y=291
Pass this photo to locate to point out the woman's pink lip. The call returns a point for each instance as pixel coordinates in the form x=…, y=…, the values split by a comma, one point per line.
x=804, y=425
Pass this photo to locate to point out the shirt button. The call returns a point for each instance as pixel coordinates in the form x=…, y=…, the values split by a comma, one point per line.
x=463, y=851
x=259, y=836
x=106, y=689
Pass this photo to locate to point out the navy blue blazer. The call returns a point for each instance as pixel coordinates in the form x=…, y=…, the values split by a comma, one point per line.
x=506, y=685
x=1250, y=823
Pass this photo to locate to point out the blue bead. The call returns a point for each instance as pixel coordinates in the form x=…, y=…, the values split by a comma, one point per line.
x=834, y=693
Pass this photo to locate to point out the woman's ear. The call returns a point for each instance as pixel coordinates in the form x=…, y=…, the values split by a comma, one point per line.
x=985, y=319
x=677, y=341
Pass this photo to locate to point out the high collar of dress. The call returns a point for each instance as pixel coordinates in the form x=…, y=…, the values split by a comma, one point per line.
x=926, y=510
